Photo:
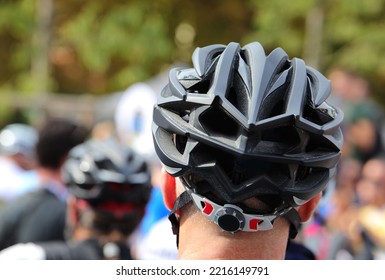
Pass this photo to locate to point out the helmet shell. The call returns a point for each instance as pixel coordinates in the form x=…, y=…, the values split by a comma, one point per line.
x=242, y=124
x=101, y=171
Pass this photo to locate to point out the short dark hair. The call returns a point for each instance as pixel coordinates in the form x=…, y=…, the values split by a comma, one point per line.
x=56, y=138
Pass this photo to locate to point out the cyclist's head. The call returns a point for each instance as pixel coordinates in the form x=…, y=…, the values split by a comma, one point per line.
x=241, y=124
x=56, y=137
x=112, y=180
x=19, y=139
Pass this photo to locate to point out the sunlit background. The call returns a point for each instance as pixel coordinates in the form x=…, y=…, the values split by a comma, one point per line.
x=55, y=53
x=103, y=62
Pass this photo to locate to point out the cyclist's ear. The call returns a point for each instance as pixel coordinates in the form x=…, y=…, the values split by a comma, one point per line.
x=168, y=187
x=306, y=210
x=72, y=214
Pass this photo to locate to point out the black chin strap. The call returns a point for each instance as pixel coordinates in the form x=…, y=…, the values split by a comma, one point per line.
x=185, y=198
x=180, y=202
x=295, y=222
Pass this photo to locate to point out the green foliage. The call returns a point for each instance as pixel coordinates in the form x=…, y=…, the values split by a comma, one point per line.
x=16, y=27
x=17, y=17
x=352, y=34
x=102, y=46
x=278, y=23
x=134, y=36
x=355, y=37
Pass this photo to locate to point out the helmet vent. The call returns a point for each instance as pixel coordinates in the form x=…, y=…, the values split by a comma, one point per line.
x=201, y=87
x=105, y=164
x=284, y=134
x=217, y=123
x=238, y=95
x=320, y=145
x=273, y=104
x=302, y=172
x=180, y=143
x=319, y=117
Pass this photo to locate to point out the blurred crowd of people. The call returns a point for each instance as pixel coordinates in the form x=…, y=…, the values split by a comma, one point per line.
x=68, y=191
x=76, y=192
x=349, y=221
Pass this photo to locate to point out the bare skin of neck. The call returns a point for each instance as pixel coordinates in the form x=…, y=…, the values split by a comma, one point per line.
x=49, y=174
x=201, y=239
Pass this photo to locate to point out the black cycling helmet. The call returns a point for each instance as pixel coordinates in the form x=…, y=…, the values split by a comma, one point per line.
x=109, y=175
x=244, y=124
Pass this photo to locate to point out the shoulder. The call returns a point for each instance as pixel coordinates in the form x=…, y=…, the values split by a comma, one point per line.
x=298, y=251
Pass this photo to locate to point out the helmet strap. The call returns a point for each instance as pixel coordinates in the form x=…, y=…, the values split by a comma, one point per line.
x=186, y=197
x=295, y=222
x=180, y=202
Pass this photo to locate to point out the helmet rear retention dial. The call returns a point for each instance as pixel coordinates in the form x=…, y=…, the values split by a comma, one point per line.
x=230, y=219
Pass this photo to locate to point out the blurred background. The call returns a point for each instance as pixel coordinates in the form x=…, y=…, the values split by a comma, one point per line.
x=103, y=62
x=64, y=56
